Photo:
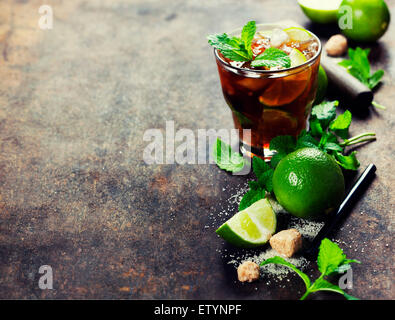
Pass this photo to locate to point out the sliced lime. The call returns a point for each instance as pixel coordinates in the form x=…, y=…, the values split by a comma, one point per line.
x=250, y=227
x=265, y=33
x=297, y=58
x=298, y=34
x=320, y=11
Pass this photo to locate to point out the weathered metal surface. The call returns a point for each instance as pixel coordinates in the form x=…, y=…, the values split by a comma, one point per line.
x=75, y=193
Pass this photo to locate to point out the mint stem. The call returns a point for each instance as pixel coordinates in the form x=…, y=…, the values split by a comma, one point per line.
x=378, y=106
x=356, y=139
x=305, y=295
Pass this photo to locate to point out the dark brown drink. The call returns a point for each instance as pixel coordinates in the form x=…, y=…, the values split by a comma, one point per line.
x=275, y=101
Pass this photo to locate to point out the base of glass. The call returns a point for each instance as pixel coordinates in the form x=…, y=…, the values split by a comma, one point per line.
x=250, y=151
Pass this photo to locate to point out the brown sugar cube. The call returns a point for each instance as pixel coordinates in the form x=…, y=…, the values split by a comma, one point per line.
x=248, y=271
x=336, y=45
x=286, y=242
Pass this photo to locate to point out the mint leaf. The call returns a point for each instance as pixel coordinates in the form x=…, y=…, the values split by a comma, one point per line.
x=264, y=173
x=359, y=67
x=323, y=285
x=252, y=196
x=347, y=162
x=325, y=112
x=349, y=297
x=235, y=48
x=279, y=260
x=272, y=57
x=332, y=146
x=375, y=78
x=315, y=127
x=230, y=48
x=276, y=159
x=247, y=35
x=305, y=140
x=226, y=159
x=259, y=166
x=266, y=180
x=341, y=124
x=330, y=257
x=283, y=144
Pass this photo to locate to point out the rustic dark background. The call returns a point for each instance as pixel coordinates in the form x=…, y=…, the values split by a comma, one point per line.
x=74, y=191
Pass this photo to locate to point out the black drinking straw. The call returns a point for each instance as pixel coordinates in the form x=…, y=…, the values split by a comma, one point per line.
x=351, y=88
x=355, y=192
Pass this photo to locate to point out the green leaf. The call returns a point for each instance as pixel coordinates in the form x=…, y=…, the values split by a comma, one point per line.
x=252, y=196
x=349, y=297
x=259, y=166
x=226, y=159
x=230, y=48
x=359, y=67
x=375, y=78
x=323, y=285
x=264, y=173
x=266, y=180
x=330, y=257
x=283, y=144
x=281, y=261
x=276, y=159
x=361, y=62
x=347, y=162
x=333, y=147
x=345, y=265
x=345, y=63
x=341, y=124
x=305, y=140
x=247, y=35
x=325, y=112
x=315, y=127
x=272, y=57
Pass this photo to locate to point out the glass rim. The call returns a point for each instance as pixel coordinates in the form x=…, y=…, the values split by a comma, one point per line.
x=268, y=72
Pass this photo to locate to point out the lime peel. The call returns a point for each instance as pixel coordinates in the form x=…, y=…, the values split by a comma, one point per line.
x=250, y=227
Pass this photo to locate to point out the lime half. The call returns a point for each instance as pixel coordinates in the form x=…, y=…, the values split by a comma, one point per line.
x=320, y=11
x=251, y=227
x=297, y=58
x=298, y=34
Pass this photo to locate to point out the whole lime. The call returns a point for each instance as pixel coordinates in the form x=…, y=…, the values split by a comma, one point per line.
x=308, y=183
x=369, y=19
x=322, y=85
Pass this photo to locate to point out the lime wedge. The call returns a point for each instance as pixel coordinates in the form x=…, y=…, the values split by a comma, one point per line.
x=320, y=11
x=251, y=227
x=298, y=34
x=297, y=58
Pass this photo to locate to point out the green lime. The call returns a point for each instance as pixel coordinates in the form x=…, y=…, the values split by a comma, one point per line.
x=297, y=57
x=322, y=85
x=370, y=19
x=250, y=227
x=308, y=183
x=320, y=11
x=298, y=34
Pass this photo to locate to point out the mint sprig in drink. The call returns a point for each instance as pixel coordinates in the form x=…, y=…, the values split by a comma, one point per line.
x=268, y=74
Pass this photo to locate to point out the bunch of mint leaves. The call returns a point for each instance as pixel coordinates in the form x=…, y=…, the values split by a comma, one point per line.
x=239, y=49
x=327, y=133
x=331, y=260
x=359, y=67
